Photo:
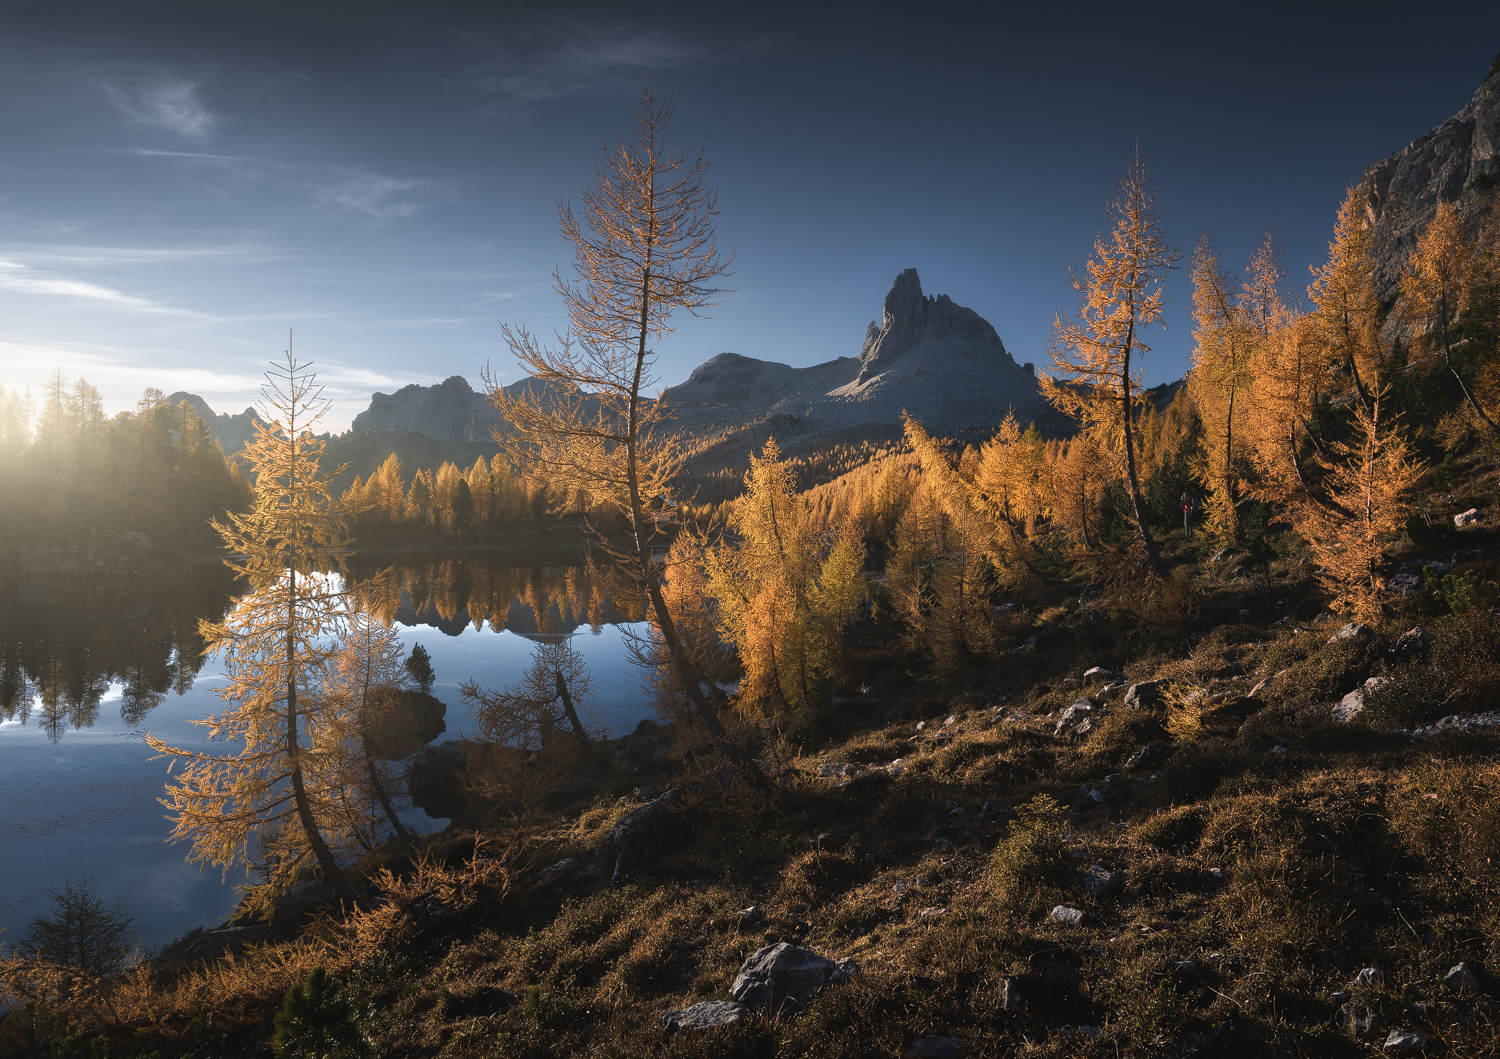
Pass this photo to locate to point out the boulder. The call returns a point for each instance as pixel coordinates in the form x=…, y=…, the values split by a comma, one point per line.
x=216, y=941
x=563, y=869
x=1144, y=694
x=1413, y=642
x=1355, y=630
x=706, y=1015
x=1357, y=1021
x=1460, y=979
x=837, y=770
x=642, y=824
x=934, y=1047
x=303, y=896
x=1466, y=518
x=1369, y=978
x=1353, y=704
x=1405, y=1041
x=1100, y=881
x=1074, y=715
x=782, y=978
x=1070, y=917
x=1097, y=673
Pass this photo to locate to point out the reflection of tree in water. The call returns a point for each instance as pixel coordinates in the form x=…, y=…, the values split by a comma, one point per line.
x=64, y=641
x=449, y=594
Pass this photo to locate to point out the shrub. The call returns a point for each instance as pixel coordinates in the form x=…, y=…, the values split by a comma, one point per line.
x=1029, y=860
x=316, y=1022
x=1467, y=654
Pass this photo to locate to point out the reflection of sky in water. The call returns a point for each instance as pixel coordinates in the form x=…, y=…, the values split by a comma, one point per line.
x=87, y=805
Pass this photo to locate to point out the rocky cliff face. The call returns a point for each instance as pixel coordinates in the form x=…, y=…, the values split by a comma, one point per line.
x=230, y=431
x=448, y=411
x=1457, y=162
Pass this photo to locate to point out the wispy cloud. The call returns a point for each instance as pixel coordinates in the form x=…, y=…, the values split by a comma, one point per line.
x=572, y=60
x=380, y=197
x=113, y=255
x=18, y=277
x=170, y=105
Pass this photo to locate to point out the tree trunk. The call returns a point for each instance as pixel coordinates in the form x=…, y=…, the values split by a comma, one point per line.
x=332, y=874
x=1448, y=356
x=567, y=701
x=1152, y=555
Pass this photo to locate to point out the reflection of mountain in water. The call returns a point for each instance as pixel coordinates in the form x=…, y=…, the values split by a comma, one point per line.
x=450, y=594
x=65, y=640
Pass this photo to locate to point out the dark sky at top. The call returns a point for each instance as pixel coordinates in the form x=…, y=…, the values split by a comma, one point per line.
x=180, y=183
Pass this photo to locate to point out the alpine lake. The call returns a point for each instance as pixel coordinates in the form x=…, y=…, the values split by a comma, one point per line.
x=90, y=664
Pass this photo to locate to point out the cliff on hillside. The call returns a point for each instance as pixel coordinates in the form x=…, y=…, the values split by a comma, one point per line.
x=449, y=410
x=230, y=431
x=939, y=361
x=1458, y=162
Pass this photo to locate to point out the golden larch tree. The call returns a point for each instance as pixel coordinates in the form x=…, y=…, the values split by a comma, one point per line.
x=1352, y=532
x=644, y=247
x=1435, y=288
x=273, y=650
x=1347, y=313
x=1094, y=353
x=1219, y=380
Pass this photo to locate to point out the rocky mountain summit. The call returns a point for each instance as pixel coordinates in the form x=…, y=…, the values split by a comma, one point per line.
x=230, y=431
x=929, y=356
x=1457, y=162
x=449, y=411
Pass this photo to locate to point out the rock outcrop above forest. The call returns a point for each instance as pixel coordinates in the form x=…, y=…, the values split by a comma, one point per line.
x=938, y=360
x=449, y=410
x=230, y=431
x=1458, y=162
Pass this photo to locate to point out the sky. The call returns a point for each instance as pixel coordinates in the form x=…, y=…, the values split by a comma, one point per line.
x=182, y=183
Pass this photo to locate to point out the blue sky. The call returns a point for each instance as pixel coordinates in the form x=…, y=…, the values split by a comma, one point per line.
x=181, y=183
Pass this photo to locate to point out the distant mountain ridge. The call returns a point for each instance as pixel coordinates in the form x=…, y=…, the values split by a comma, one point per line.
x=940, y=361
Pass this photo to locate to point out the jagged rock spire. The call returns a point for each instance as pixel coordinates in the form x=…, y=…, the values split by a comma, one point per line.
x=909, y=316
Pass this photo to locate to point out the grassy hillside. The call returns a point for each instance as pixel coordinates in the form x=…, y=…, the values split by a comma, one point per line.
x=1238, y=855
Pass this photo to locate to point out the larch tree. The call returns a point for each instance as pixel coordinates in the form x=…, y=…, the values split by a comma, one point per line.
x=1435, y=288
x=1351, y=535
x=1347, y=313
x=1219, y=380
x=523, y=742
x=364, y=678
x=271, y=644
x=783, y=593
x=644, y=247
x=1094, y=352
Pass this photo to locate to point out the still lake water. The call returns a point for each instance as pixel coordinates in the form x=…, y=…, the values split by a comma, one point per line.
x=87, y=666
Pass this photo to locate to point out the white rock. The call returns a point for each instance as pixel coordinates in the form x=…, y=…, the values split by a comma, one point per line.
x=1370, y=976
x=1070, y=916
x=782, y=978
x=708, y=1015
x=1405, y=1041
x=1460, y=979
x=1466, y=518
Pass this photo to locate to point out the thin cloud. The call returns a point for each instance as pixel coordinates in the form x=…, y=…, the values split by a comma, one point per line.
x=584, y=60
x=170, y=105
x=18, y=277
x=379, y=197
x=111, y=255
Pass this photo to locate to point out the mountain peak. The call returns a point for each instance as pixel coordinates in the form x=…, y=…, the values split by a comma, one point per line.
x=909, y=317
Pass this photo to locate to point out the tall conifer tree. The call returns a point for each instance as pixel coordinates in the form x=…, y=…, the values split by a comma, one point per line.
x=272, y=651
